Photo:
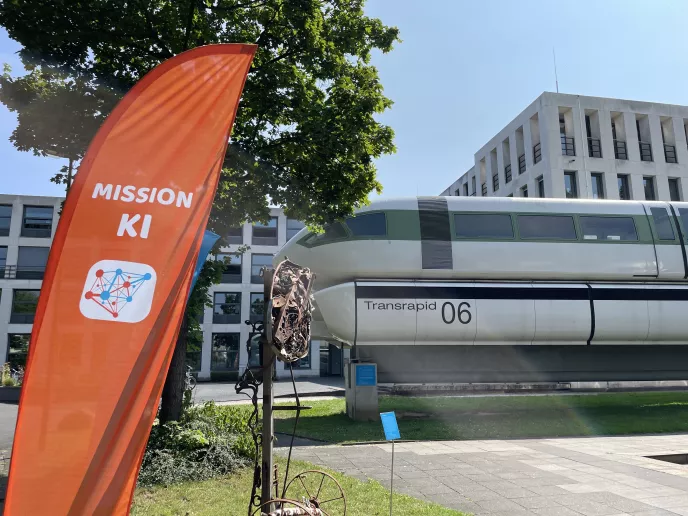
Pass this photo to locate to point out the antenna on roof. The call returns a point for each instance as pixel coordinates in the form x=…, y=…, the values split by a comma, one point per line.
x=556, y=79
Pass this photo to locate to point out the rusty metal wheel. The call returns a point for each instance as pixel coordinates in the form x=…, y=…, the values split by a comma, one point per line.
x=284, y=507
x=321, y=490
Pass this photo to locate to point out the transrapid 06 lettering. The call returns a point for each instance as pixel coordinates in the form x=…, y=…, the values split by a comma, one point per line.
x=451, y=312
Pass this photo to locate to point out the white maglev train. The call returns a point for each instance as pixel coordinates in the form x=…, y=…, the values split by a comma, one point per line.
x=500, y=271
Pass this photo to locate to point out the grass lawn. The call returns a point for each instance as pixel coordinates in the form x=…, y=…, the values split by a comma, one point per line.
x=500, y=417
x=229, y=497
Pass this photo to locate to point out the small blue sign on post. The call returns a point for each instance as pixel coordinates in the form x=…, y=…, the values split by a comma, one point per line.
x=365, y=375
x=389, y=424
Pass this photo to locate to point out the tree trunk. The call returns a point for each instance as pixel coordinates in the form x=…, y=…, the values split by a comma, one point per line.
x=173, y=391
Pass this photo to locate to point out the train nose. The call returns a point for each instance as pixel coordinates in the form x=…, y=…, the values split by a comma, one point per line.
x=295, y=252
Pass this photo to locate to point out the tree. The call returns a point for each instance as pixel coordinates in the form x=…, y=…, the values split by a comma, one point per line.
x=305, y=134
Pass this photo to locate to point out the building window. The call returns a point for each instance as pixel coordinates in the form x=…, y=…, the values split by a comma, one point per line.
x=483, y=188
x=37, y=222
x=257, y=306
x=227, y=308
x=597, y=185
x=473, y=185
x=465, y=189
x=5, y=219
x=17, y=349
x=24, y=304
x=483, y=225
x=537, y=154
x=495, y=182
x=524, y=191
x=674, y=189
x=540, y=181
x=608, y=228
x=193, y=355
x=546, y=227
x=265, y=234
x=235, y=235
x=624, y=190
x=3, y=260
x=507, y=174
x=31, y=262
x=649, y=187
x=232, y=270
x=660, y=216
x=225, y=352
x=368, y=225
x=305, y=362
x=570, y=185
x=294, y=226
x=594, y=147
x=258, y=261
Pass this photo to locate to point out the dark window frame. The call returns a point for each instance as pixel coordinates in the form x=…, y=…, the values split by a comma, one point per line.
x=623, y=184
x=457, y=225
x=677, y=182
x=521, y=216
x=229, y=352
x=229, y=277
x=264, y=228
x=236, y=239
x=256, y=279
x=289, y=219
x=661, y=223
x=594, y=177
x=41, y=231
x=583, y=219
x=650, y=180
x=226, y=318
x=5, y=231
x=574, y=184
x=540, y=183
x=360, y=216
x=26, y=316
x=253, y=316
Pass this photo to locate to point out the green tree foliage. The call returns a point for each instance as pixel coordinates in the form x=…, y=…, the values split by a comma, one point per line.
x=305, y=134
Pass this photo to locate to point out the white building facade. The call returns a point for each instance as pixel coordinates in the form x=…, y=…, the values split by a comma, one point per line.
x=27, y=228
x=589, y=147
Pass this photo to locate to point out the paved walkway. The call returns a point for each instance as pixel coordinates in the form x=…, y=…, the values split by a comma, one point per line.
x=224, y=392
x=601, y=476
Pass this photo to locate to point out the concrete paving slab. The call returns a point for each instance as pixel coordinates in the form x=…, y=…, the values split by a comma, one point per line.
x=601, y=476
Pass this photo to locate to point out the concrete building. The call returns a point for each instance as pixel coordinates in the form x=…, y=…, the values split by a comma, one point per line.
x=590, y=147
x=27, y=227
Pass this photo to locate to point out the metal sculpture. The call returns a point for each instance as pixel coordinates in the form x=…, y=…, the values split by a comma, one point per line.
x=285, y=335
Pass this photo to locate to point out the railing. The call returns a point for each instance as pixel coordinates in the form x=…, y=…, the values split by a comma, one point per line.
x=594, y=148
x=620, y=151
x=537, y=153
x=670, y=153
x=507, y=173
x=473, y=194
x=522, y=163
x=645, y=151
x=484, y=189
x=38, y=231
x=257, y=240
x=568, y=145
x=231, y=277
x=21, y=272
x=495, y=183
x=234, y=318
x=21, y=318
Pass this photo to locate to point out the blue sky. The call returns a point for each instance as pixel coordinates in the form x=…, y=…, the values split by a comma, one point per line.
x=465, y=69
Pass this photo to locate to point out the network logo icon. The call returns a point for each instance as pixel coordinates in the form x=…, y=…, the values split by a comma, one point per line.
x=118, y=291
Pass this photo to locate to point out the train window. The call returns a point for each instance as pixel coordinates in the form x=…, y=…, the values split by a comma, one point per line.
x=556, y=227
x=683, y=213
x=332, y=233
x=483, y=225
x=662, y=223
x=368, y=224
x=608, y=228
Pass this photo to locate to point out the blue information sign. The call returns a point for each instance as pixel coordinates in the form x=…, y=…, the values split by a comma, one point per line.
x=365, y=375
x=389, y=424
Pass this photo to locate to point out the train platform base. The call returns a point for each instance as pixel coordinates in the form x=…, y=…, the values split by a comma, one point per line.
x=468, y=389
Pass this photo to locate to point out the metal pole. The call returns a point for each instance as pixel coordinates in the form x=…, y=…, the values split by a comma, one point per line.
x=268, y=396
x=391, y=482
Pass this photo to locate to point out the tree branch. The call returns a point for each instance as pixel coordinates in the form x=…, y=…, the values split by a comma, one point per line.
x=189, y=23
x=288, y=53
x=218, y=8
x=154, y=33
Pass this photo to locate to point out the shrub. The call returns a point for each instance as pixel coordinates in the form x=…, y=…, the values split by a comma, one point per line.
x=7, y=379
x=208, y=441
